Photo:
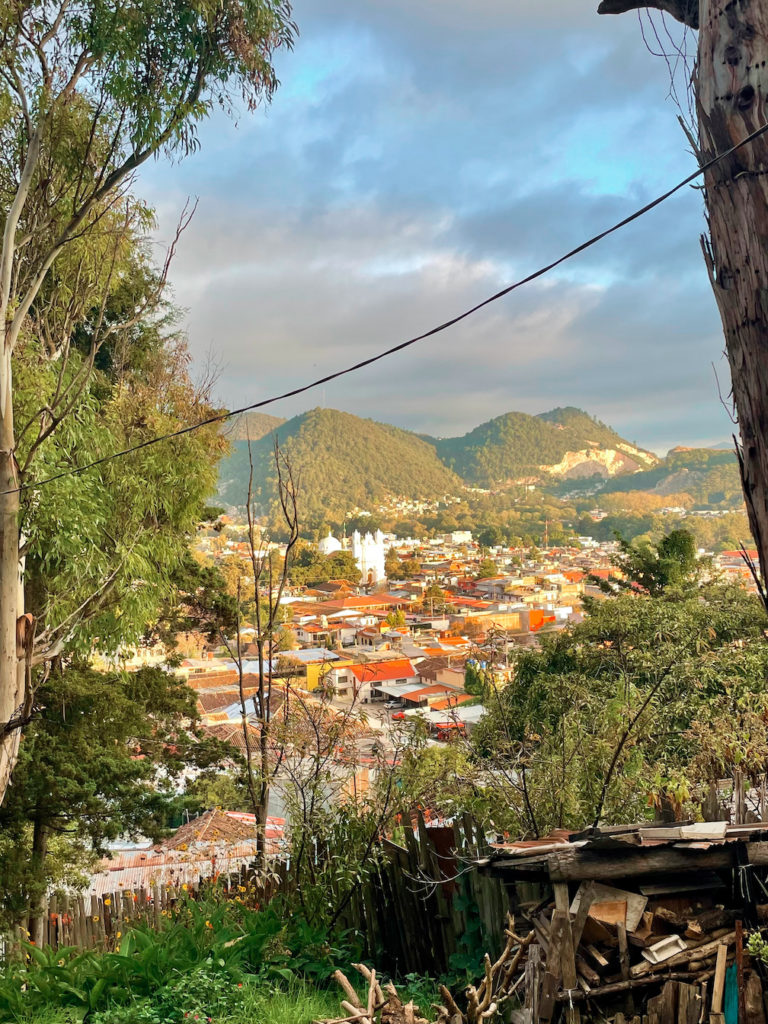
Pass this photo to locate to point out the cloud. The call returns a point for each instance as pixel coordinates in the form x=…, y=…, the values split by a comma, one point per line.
x=419, y=156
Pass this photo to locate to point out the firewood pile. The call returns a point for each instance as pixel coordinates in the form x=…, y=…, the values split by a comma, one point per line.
x=483, y=1002
x=612, y=955
x=629, y=957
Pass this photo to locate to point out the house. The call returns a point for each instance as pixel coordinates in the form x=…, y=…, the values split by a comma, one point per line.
x=374, y=679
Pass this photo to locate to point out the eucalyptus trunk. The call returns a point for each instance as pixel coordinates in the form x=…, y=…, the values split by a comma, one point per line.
x=11, y=666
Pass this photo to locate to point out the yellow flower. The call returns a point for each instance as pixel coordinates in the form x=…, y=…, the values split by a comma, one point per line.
x=185, y=887
x=119, y=935
x=107, y=902
x=208, y=924
x=95, y=917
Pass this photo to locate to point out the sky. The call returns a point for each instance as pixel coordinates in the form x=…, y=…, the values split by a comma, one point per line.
x=420, y=155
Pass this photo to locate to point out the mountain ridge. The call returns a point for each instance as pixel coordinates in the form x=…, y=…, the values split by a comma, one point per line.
x=344, y=461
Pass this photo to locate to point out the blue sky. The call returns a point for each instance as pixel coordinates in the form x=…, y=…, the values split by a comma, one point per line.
x=418, y=156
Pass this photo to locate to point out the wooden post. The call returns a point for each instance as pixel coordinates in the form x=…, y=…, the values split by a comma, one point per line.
x=740, y=970
x=533, y=981
x=718, y=985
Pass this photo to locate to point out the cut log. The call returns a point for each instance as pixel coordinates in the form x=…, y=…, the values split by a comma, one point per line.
x=698, y=951
x=754, y=1012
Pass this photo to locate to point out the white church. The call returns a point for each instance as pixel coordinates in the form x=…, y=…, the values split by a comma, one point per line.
x=368, y=551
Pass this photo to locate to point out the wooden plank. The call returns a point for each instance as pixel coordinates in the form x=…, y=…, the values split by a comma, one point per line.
x=668, y=1005
x=585, y=902
x=754, y=1012
x=533, y=981
x=547, y=999
x=562, y=900
x=595, y=955
x=555, y=951
x=740, y=987
x=623, y=951
x=718, y=986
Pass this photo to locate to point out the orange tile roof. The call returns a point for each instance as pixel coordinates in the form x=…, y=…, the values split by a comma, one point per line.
x=383, y=671
x=451, y=702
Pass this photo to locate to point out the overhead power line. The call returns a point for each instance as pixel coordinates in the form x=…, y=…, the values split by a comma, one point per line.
x=221, y=417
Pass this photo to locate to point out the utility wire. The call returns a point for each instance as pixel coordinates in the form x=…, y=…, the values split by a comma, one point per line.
x=221, y=417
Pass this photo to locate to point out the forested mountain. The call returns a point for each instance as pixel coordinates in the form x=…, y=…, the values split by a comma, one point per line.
x=565, y=443
x=253, y=425
x=709, y=475
x=341, y=462
x=345, y=461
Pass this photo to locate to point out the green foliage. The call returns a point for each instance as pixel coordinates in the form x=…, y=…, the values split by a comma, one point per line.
x=196, y=963
x=341, y=462
x=310, y=567
x=486, y=569
x=103, y=546
x=643, y=684
x=668, y=565
x=516, y=445
x=88, y=770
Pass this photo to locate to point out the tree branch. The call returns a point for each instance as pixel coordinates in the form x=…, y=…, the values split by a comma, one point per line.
x=686, y=11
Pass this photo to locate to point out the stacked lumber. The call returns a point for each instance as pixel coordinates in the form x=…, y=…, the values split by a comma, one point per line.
x=659, y=959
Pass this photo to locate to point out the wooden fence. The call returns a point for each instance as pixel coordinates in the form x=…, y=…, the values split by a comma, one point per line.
x=90, y=921
x=423, y=908
x=426, y=909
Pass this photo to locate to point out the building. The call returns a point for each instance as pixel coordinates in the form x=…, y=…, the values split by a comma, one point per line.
x=369, y=555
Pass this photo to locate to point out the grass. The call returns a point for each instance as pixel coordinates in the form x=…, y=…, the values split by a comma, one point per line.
x=298, y=1002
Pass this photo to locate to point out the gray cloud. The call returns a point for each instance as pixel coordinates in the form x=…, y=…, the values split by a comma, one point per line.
x=419, y=156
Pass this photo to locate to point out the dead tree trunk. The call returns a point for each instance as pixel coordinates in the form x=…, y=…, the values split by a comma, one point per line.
x=732, y=101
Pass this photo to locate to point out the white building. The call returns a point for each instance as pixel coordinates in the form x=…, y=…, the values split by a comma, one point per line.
x=369, y=555
x=329, y=545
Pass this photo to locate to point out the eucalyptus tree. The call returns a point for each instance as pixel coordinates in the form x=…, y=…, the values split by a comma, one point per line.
x=731, y=97
x=89, y=91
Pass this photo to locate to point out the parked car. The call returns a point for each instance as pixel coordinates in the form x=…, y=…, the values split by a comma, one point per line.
x=399, y=715
x=393, y=704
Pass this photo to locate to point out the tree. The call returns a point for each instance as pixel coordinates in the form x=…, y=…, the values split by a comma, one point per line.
x=490, y=537
x=89, y=771
x=669, y=564
x=393, y=565
x=732, y=102
x=486, y=570
x=622, y=707
x=434, y=598
x=91, y=92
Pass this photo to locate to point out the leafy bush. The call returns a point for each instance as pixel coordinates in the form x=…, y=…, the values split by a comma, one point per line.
x=197, y=964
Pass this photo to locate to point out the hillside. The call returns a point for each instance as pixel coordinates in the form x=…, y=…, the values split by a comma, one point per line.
x=253, y=425
x=565, y=443
x=341, y=461
x=709, y=475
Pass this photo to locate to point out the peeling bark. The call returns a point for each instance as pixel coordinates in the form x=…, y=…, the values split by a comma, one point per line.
x=732, y=101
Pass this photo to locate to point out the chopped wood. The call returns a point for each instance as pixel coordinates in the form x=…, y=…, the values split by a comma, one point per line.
x=718, y=988
x=697, y=950
x=596, y=956
x=586, y=972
